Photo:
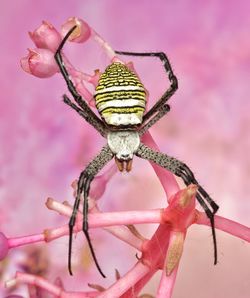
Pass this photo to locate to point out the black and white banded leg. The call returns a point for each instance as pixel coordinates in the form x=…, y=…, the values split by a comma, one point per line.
x=87, y=113
x=83, y=186
x=162, y=112
x=87, y=117
x=172, y=78
x=182, y=170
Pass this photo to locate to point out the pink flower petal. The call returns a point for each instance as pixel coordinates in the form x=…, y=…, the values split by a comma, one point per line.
x=80, y=34
x=46, y=37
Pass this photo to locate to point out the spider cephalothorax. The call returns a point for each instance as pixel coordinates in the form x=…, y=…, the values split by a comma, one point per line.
x=120, y=99
x=123, y=144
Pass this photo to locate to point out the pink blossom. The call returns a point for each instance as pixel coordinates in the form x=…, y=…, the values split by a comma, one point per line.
x=40, y=63
x=80, y=34
x=46, y=37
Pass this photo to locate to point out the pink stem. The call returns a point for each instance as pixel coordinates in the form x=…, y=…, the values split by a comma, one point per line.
x=105, y=46
x=110, y=218
x=40, y=282
x=126, y=282
x=167, y=283
x=132, y=292
x=35, y=280
x=19, y=241
x=124, y=234
x=124, y=217
x=225, y=225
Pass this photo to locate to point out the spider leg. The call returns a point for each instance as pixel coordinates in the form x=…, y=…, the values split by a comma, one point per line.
x=162, y=112
x=83, y=186
x=82, y=113
x=182, y=170
x=88, y=113
x=172, y=78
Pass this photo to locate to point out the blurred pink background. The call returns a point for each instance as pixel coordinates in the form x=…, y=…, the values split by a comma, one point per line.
x=44, y=145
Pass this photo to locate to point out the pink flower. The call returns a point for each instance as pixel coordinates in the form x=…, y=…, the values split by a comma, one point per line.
x=80, y=34
x=46, y=37
x=40, y=63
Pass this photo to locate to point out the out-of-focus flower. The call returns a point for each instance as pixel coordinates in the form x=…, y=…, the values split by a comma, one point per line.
x=4, y=246
x=80, y=34
x=40, y=63
x=46, y=37
x=35, y=261
x=14, y=296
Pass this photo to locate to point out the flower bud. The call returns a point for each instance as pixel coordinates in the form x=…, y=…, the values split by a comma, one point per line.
x=46, y=37
x=40, y=63
x=80, y=34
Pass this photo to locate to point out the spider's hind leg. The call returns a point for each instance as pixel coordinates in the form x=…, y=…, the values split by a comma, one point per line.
x=83, y=187
x=182, y=170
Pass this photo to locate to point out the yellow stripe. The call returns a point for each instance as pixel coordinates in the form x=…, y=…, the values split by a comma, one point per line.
x=100, y=102
x=118, y=95
x=128, y=110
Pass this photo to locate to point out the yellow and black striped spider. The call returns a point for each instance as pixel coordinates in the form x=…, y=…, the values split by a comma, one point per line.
x=120, y=99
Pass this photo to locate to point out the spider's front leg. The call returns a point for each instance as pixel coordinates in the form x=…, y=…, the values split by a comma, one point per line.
x=182, y=170
x=171, y=76
x=91, y=120
x=83, y=187
x=86, y=111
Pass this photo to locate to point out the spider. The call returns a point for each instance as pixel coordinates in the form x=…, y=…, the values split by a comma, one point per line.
x=120, y=99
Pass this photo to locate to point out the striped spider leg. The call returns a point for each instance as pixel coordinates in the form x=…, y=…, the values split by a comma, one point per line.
x=86, y=177
x=182, y=170
x=83, y=109
x=158, y=110
x=89, y=173
x=172, y=78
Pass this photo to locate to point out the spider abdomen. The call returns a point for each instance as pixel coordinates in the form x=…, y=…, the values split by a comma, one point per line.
x=120, y=96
